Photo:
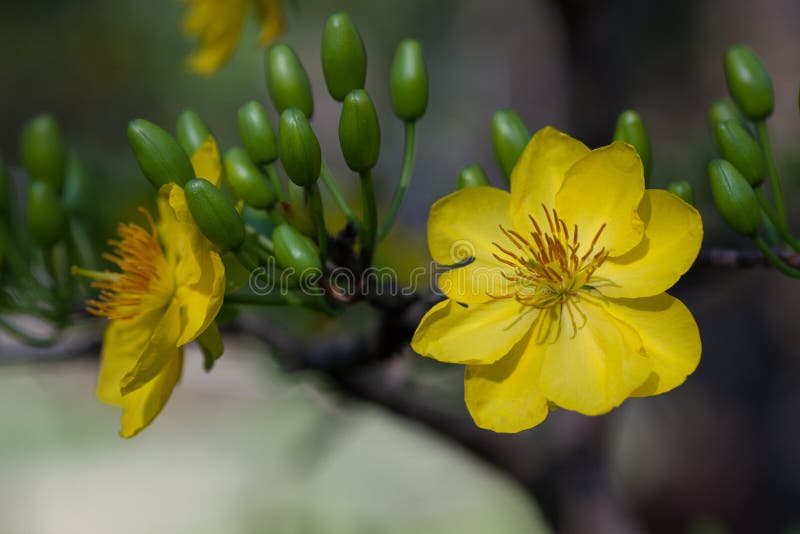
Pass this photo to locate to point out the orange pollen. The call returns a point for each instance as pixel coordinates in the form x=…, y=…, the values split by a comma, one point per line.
x=550, y=264
x=138, y=254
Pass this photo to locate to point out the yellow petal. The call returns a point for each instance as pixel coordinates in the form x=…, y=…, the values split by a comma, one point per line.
x=271, y=14
x=669, y=335
x=464, y=225
x=156, y=353
x=186, y=247
x=140, y=407
x=672, y=237
x=504, y=397
x=201, y=302
x=122, y=344
x=218, y=24
x=605, y=187
x=594, y=367
x=480, y=334
x=206, y=162
x=540, y=171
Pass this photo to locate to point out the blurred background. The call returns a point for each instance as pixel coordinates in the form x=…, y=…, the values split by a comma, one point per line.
x=250, y=448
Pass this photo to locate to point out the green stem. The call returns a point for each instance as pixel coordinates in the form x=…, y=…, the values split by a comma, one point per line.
x=272, y=173
x=29, y=339
x=315, y=198
x=344, y=207
x=783, y=232
x=370, y=216
x=409, y=153
x=772, y=172
x=774, y=259
x=276, y=215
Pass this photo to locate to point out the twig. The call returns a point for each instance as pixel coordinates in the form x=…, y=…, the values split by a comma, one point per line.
x=733, y=258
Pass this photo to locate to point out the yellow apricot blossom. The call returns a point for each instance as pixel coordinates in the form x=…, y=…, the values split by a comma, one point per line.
x=218, y=26
x=167, y=292
x=562, y=298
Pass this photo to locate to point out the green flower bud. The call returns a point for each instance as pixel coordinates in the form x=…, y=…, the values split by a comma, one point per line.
x=78, y=190
x=5, y=191
x=298, y=148
x=409, y=81
x=344, y=59
x=359, y=131
x=46, y=222
x=630, y=129
x=748, y=82
x=724, y=110
x=510, y=136
x=738, y=147
x=683, y=190
x=287, y=80
x=192, y=131
x=257, y=134
x=472, y=176
x=734, y=198
x=160, y=157
x=42, y=151
x=246, y=180
x=214, y=214
x=295, y=251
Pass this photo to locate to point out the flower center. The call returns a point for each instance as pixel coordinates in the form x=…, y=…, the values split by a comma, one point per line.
x=551, y=264
x=140, y=284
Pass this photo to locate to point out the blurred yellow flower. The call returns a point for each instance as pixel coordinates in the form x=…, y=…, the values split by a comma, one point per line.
x=563, y=301
x=218, y=26
x=168, y=290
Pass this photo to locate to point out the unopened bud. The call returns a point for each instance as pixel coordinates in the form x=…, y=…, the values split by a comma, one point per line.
x=160, y=157
x=344, y=58
x=409, y=81
x=191, y=130
x=738, y=147
x=724, y=110
x=247, y=181
x=510, y=136
x=287, y=80
x=472, y=176
x=359, y=132
x=749, y=82
x=298, y=148
x=214, y=214
x=257, y=134
x=734, y=198
x=42, y=151
x=683, y=190
x=295, y=251
x=630, y=129
x=46, y=221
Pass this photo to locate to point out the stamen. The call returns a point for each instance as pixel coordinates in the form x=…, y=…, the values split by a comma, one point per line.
x=550, y=267
x=139, y=257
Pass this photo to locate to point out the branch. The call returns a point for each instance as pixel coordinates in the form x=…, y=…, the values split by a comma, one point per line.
x=733, y=258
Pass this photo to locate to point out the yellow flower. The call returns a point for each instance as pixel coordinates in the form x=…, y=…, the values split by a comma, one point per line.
x=563, y=302
x=168, y=290
x=218, y=25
